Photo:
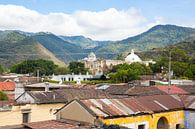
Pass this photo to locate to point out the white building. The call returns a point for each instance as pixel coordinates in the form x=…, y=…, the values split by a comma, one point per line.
x=99, y=65
x=71, y=77
x=95, y=65
x=131, y=58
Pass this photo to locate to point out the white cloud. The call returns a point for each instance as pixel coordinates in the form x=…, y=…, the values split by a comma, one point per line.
x=109, y=24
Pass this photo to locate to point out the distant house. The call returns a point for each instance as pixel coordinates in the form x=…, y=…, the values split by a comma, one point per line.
x=64, y=95
x=71, y=77
x=34, y=106
x=154, y=112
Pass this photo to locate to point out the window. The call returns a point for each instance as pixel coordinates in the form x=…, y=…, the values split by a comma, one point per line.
x=141, y=126
x=177, y=126
x=25, y=117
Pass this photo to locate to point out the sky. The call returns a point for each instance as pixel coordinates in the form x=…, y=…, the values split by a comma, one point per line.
x=96, y=19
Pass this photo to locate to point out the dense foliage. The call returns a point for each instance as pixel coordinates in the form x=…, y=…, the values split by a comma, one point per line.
x=181, y=63
x=128, y=72
x=61, y=70
x=77, y=67
x=44, y=67
x=3, y=96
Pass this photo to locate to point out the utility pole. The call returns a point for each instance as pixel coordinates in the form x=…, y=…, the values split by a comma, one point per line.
x=37, y=75
x=169, y=83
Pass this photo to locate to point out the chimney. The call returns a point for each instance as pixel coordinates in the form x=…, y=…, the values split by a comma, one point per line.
x=46, y=86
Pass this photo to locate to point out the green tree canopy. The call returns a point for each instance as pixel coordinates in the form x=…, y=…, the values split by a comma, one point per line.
x=128, y=72
x=181, y=64
x=44, y=67
x=61, y=70
x=77, y=67
x=3, y=96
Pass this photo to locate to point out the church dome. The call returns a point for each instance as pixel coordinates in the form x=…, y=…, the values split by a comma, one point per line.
x=92, y=56
x=132, y=57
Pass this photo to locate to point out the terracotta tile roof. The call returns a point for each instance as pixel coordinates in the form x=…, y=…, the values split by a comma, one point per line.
x=7, y=86
x=173, y=89
x=132, y=105
x=52, y=124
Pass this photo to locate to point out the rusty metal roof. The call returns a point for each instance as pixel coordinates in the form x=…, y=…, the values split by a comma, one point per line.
x=65, y=95
x=189, y=89
x=52, y=124
x=144, y=90
x=173, y=89
x=188, y=101
x=132, y=105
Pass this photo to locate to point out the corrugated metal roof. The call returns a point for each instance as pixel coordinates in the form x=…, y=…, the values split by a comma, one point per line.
x=132, y=105
x=189, y=89
x=173, y=89
x=53, y=124
x=66, y=95
x=144, y=90
x=188, y=101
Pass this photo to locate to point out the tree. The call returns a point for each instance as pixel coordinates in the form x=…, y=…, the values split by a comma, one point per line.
x=61, y=70
x=1, y=69
x=77, y=67
x=178, y=54
x=3, y=96
x=45, y=67
x=128, y=72
x=181, y=64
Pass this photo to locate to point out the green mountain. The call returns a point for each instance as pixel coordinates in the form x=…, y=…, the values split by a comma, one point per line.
x=156, y=37
x=188, y=45
x=83, y=42
x=16, y=47
x=62, y=49
x=80, y=40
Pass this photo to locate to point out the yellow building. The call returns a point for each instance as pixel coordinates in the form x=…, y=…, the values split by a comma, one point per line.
x=28, y=113
x=33, y=106
x=165, y=120
x=144, y=112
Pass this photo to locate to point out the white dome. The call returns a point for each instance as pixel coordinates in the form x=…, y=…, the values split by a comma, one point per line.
x=92, y=56
x=132, y=57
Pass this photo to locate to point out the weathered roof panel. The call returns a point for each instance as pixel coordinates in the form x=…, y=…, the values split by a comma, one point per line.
x=132, y=105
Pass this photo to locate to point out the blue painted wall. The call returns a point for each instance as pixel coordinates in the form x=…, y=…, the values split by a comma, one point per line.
x=189, y=120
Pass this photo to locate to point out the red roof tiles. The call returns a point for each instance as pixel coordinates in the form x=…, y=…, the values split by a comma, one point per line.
x=7, y=86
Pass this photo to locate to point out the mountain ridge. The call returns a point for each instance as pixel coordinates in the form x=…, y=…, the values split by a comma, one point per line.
x=70, y=48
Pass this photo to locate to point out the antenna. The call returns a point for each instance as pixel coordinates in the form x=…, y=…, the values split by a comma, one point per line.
x=169, y=73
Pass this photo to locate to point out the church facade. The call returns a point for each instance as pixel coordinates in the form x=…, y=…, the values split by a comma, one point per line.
x=98, y=66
